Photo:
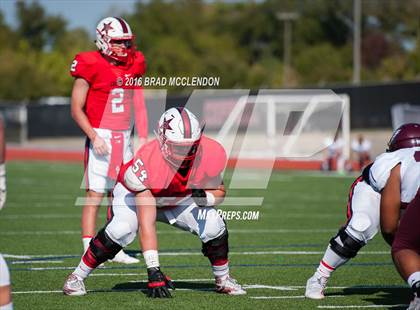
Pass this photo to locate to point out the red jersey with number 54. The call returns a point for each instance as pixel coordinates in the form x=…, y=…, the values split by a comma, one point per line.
x=113, y=89
x=153, y=172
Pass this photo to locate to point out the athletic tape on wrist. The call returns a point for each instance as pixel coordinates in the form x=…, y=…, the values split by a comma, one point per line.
x=211, y=200
x=151, y=258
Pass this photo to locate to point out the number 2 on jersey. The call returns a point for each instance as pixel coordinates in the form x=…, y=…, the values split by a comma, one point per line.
x=117, y=100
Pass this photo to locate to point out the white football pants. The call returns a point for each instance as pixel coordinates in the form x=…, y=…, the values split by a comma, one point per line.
x=187, y=216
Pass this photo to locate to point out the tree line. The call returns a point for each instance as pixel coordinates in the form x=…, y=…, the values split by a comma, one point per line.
x=240, y=42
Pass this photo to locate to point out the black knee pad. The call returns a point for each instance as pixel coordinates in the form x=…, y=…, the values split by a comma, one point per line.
x=103, y=247
x=217, y=248
x=345, y=245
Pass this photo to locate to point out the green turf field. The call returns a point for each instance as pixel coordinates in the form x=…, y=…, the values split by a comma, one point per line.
x=272, y=257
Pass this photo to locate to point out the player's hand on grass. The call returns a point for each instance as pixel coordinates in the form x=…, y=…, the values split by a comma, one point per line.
x=158, y=284
x=99, y=146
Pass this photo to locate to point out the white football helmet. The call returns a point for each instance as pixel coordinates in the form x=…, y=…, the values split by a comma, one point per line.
x=115, y=39
x=179, y=135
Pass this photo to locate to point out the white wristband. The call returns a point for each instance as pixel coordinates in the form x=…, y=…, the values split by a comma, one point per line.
x=211, y=200
x=151, y=258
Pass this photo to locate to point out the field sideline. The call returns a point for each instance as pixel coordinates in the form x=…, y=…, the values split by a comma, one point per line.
x=272, y=256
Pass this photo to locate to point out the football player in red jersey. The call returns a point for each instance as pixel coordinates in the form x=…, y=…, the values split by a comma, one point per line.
x=102, y=96
x=175, y=179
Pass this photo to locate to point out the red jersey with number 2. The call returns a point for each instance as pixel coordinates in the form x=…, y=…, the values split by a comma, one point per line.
x=113, y=89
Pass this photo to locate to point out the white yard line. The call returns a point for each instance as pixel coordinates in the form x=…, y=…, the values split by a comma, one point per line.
x=259, y=286
x=50, y=268
x=37, y=262
x=288, y=297
x=199, y=254
x=40, y=232
x=171, y=232
x=37, y=216
x=362, y=306
x=36, y=292
x=357, y=287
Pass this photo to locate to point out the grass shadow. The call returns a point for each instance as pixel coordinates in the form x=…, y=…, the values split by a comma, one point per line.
x=378, y=295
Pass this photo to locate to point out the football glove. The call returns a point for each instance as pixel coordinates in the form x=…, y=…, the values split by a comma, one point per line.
x=199, y=196
x=158, y=284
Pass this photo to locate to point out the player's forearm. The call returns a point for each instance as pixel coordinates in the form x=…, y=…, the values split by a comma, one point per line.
x=390, y=206
x=82, y=121
x=148, y=238
x=389, y=225
x=146, y=215
x=5, y=295
x=78, y=101
x=388, y=237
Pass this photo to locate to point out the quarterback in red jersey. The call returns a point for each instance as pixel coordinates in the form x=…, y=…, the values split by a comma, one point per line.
x=172, y=179
x=102, y=96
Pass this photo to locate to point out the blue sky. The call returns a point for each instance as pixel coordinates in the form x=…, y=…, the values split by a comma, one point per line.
x=78, y=13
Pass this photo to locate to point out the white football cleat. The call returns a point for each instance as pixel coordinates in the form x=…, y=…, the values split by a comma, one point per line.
x=229, y=286
x=74, y=286
x=315, y=287
x=414, y=304
x=124, y=258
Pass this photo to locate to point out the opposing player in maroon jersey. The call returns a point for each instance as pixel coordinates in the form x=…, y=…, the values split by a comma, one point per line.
x=403, y=189
x=175, y=179
x=102, y=99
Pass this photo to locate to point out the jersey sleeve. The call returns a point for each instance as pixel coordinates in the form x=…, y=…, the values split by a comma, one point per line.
x=217, y=159
x=381, y=169
x=83, y=67
x=140, y=63
x=133, y=175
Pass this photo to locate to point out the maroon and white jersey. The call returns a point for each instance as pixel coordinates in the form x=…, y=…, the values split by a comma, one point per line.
x=410, y=173
x=409, y=158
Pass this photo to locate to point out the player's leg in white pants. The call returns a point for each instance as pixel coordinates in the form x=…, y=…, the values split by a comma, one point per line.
x=99, y=183
x=120, y=231
x=188, y=216
x=5, y=289
x=362, y=225
x=208, y=225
